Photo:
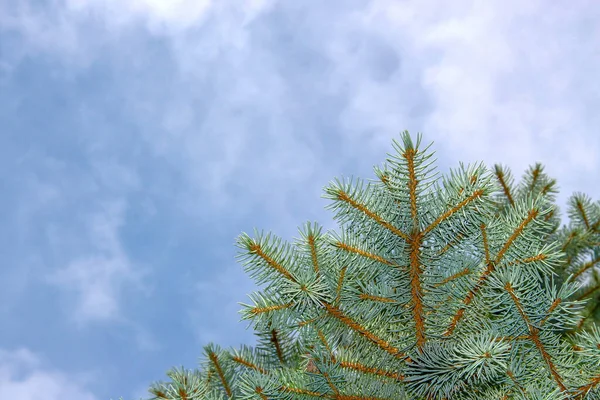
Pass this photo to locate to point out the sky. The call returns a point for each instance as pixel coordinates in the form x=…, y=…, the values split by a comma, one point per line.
x=139, y=138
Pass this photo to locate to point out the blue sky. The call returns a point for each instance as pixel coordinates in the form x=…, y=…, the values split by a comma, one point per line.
x=138, y=138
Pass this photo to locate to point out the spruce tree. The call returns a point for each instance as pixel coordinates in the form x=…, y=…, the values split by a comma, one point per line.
x=432, y=289
x=579, y=240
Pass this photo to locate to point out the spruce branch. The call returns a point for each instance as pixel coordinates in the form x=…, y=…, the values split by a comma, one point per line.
x=433, y=288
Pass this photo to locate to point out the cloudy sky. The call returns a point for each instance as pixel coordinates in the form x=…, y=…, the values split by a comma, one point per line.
x=138, y=138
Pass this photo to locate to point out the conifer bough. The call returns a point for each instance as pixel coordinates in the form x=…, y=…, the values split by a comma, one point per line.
x=433, y=289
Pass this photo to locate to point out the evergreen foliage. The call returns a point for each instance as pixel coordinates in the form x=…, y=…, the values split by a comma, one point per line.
x=579, y=240
x=451, y=288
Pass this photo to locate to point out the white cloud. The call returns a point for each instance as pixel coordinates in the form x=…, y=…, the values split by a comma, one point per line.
x=98, y=277
x=158, y=14
x=512, y=95
x=50, y=29
x=172, y=17
x=508, y=82
x=23, y=376
x=78, y=30
x=501, y=77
